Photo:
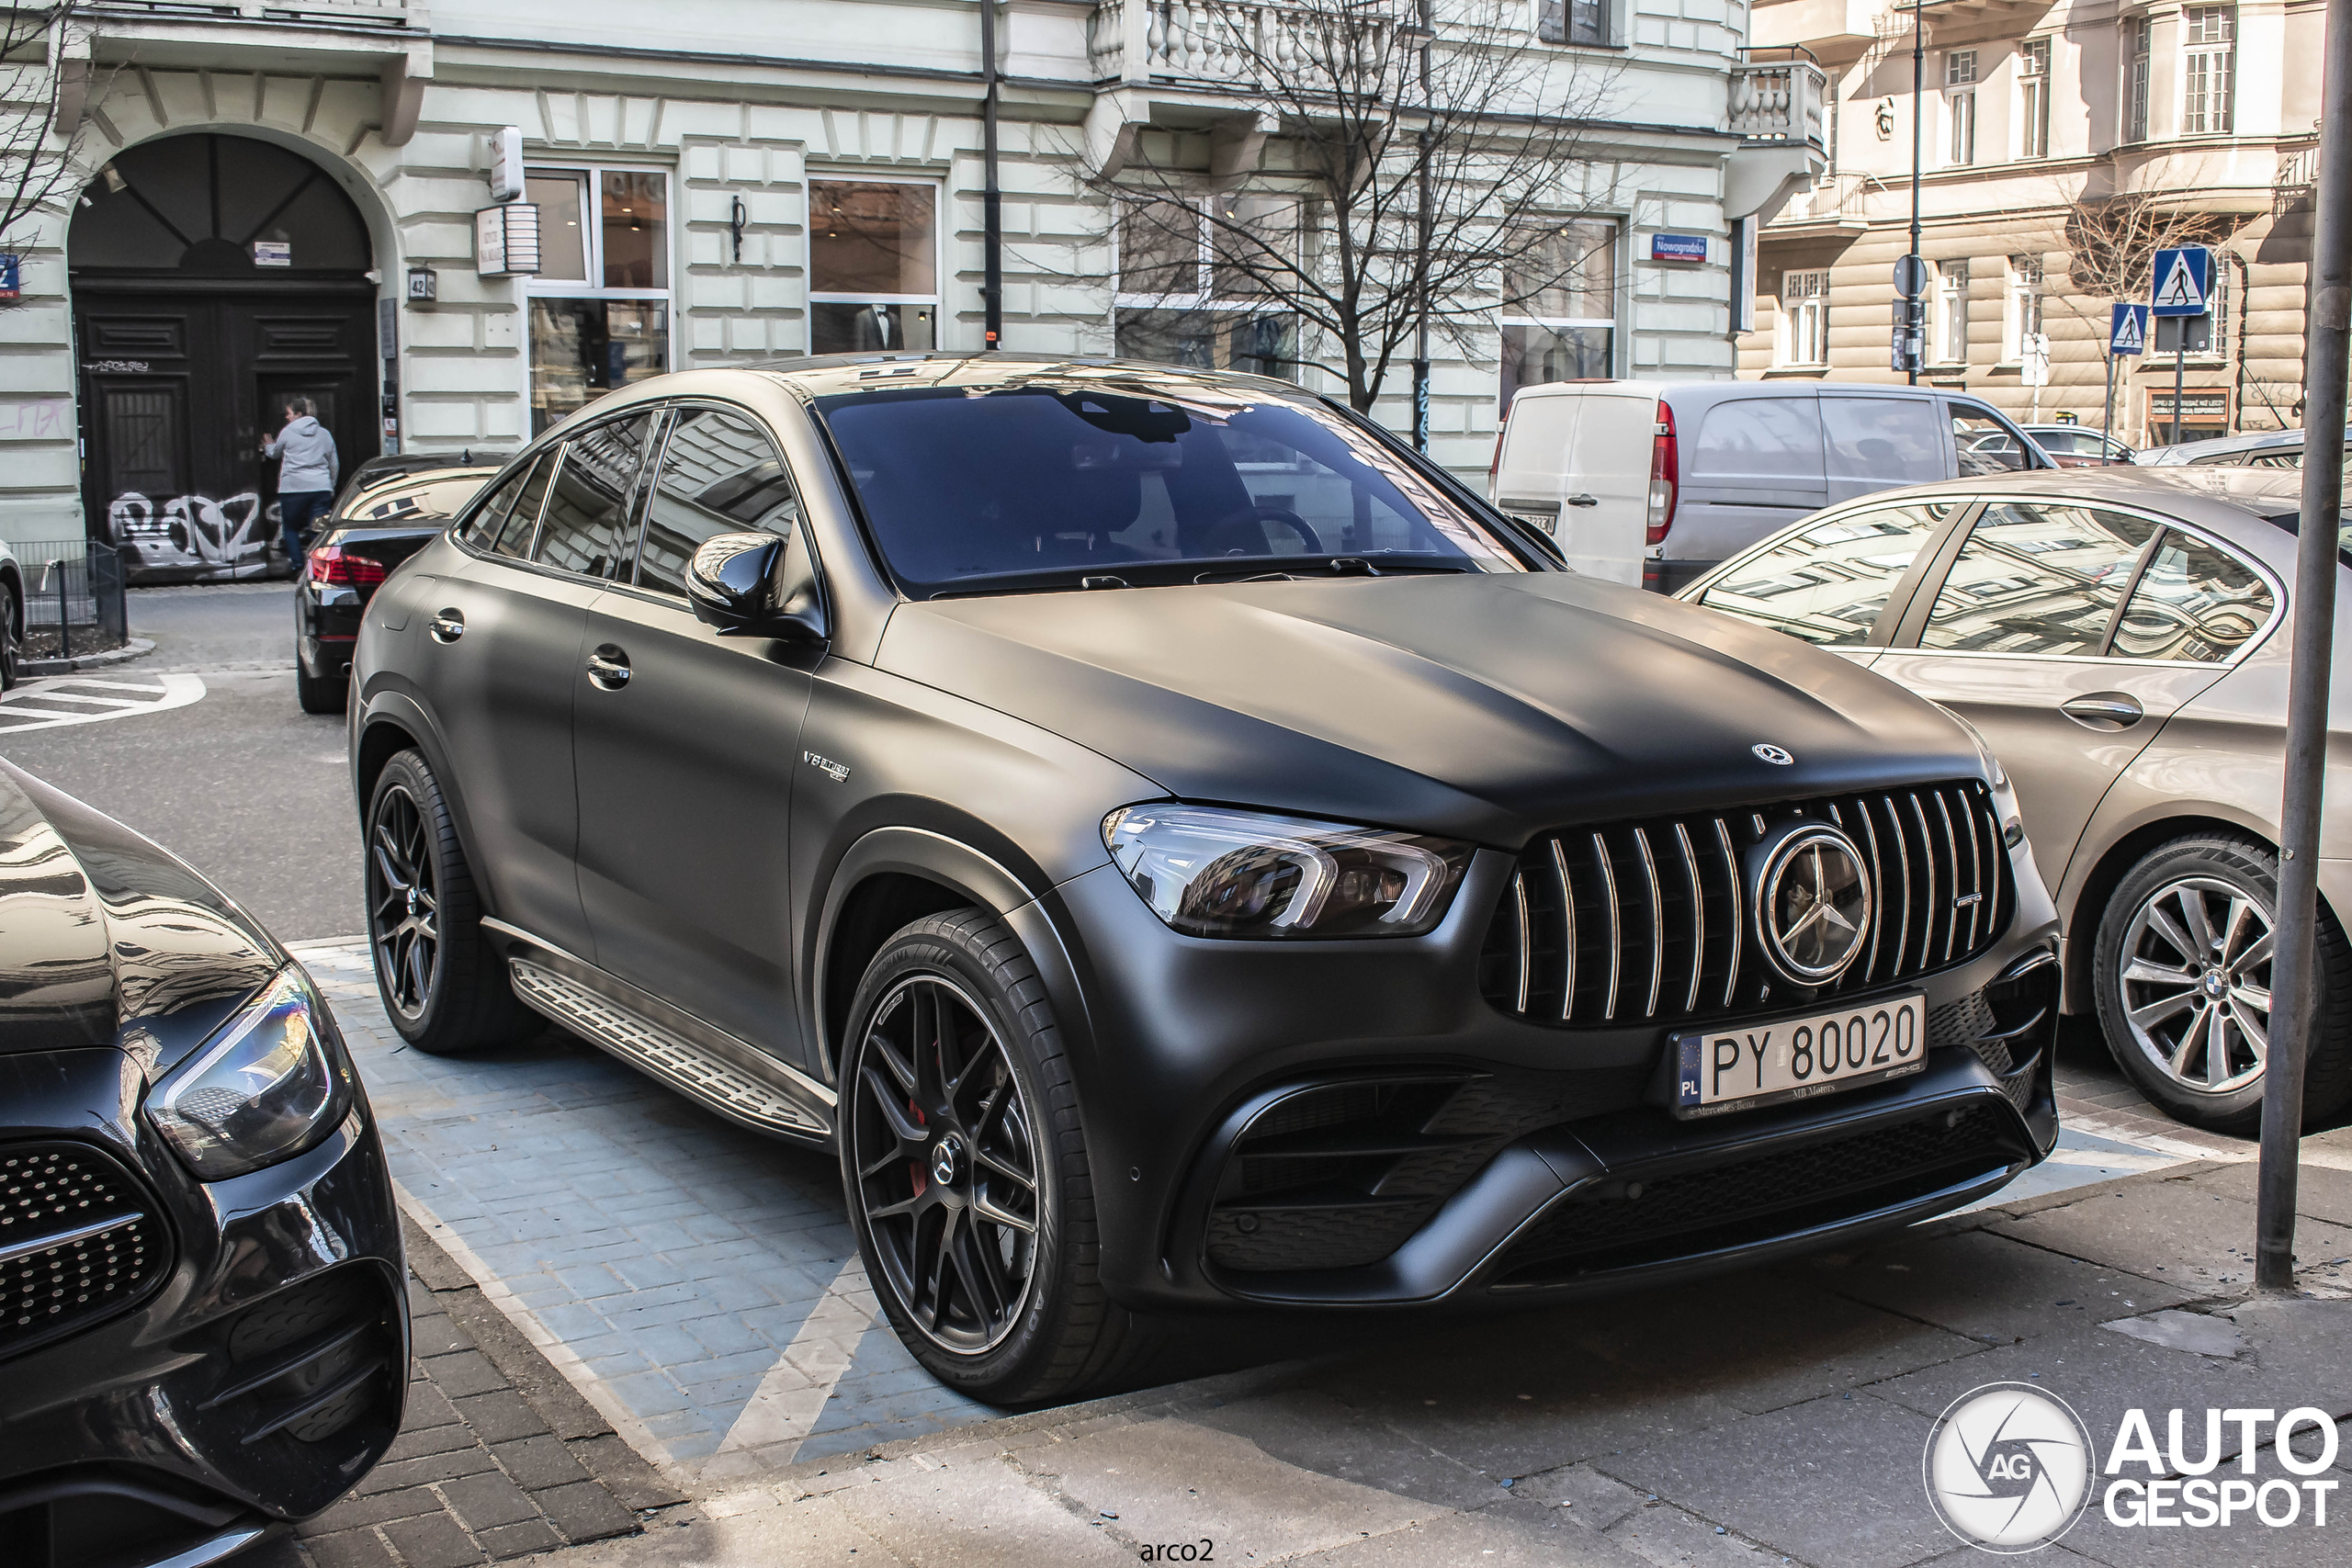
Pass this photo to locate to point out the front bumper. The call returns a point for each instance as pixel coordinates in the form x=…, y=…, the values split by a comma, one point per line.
x=1473, y=1156
x=249, y=1377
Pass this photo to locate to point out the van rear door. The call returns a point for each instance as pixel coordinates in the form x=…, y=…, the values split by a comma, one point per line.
x=1577, y=462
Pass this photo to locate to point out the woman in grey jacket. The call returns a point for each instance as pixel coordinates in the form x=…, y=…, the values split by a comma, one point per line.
x=307, y=468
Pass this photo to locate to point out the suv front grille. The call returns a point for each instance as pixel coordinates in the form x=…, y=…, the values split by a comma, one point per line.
x=1654, y=921
x=79, y=1241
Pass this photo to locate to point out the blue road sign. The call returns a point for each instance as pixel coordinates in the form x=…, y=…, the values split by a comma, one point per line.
x=2127, y=331
x=2184, y=279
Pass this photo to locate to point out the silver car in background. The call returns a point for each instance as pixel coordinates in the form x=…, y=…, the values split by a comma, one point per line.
x=2118, y=636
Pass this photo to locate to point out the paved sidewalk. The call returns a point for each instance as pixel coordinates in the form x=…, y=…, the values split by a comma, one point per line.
x=1772, y=1418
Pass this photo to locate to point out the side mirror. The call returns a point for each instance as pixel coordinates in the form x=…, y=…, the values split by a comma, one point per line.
x=758, y=585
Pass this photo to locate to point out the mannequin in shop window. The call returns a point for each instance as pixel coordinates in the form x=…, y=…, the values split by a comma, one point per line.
x=876, y=328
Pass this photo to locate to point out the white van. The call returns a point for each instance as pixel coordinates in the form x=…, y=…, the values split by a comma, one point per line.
x=1656, y=481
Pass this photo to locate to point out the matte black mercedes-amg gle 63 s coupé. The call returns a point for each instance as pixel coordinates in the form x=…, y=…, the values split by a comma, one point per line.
x=1181, y=848
x=203, y=1333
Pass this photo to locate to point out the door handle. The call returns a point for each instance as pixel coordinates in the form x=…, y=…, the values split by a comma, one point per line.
x=608, y=667
x=448, y=625
x=1582, y=500
x=2101, y=710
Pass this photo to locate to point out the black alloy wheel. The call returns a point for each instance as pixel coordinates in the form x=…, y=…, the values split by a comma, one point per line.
x=946, y=1161
x=9, y=648
x=403, y=904
x=443, y=984
x=964, y=1170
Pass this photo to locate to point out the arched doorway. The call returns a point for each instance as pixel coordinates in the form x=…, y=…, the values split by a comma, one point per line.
x=213, y=277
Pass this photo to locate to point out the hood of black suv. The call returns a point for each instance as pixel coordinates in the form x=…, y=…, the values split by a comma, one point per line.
x=107, y=939
x=1488, y=707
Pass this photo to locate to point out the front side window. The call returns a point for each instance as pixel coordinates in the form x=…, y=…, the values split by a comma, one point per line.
x=1960, y=107
x=2036, y=578
x=719, y=474
x=600, y=304
x=1804, y=318
x=584, y=528
x=2034, y=99
x=1572, y=21
x=1562, y=323
x=1828, y=583
x=1059, y=478
x=1984, y=444
x=1950, y=326
x=2208, y=69
x=2194, y=602
x=873, y=266
x=1193, y=283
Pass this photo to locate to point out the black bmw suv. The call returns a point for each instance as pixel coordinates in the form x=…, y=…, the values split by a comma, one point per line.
x=203, y=1334
x=1181, y=848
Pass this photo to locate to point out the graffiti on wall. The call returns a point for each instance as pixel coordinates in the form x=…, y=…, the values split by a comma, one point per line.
x=193, y=538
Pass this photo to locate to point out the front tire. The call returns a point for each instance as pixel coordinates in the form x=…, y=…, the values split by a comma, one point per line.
x=964, y=1166
x=2183, y=974
x=442, y=986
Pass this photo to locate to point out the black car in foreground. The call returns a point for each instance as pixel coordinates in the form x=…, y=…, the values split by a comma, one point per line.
x=385, y=514
x=1180, y=849
x=203, y=1332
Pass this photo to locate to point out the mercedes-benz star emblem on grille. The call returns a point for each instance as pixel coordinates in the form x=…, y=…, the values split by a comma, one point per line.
x=1773, y=754
x=1813, y=905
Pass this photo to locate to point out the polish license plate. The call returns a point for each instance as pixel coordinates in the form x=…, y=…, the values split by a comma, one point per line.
x=1743, y=1065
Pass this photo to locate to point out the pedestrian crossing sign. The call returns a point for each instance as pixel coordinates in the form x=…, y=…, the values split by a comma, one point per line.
x=2184, y=281
x=2128, y=331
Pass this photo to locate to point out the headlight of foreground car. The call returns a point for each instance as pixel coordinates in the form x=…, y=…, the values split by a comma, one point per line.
x=265, y=1088
x=1210, y=872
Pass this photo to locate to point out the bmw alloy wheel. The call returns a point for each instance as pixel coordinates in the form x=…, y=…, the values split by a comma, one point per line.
x=403, y=904
x=2196, y=983
x=944, y=1151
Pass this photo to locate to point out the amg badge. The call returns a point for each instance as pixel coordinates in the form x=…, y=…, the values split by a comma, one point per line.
x=837, y=771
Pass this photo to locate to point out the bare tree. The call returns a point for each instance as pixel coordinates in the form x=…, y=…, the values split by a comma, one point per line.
x=2114, y=240
x=38, y=76
x=1411, y=171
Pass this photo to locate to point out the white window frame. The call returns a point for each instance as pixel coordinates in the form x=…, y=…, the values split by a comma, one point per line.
x=591, y=254
x=2208, y=69
x=1804, y=319
x=1204, y=299
x=2138, y=53
x=836, y=297
x=2033, y=98
x=1611, y=26
x=1948, y=323
x=2022, y=305
x=1960, y=108
x=1619, y=241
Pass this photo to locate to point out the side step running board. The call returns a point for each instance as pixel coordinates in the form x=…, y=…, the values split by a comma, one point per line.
x=727, y=1083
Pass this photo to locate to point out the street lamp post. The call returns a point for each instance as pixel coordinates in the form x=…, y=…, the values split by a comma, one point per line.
x=1426, y=30
x=1914, y=324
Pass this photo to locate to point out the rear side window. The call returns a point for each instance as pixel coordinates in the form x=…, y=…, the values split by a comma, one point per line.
x=2292, y=458
x=1889, y=441
x=481, y=528
x=1762, y=437
x=514, y=531
x=586, y=529
x=2194, y=602
x=1827, y=583
x=721, y=474
x=2036, y=578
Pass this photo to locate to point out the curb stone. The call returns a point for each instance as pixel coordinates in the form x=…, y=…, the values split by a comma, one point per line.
x=137, y=648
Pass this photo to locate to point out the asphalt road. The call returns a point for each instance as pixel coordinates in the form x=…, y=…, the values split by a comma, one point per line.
x=241, y=784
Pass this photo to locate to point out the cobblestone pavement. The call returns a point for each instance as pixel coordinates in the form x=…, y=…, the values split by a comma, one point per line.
x=695, y=1281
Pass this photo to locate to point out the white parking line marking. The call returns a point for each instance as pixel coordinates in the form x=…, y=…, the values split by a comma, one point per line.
x=20, y=710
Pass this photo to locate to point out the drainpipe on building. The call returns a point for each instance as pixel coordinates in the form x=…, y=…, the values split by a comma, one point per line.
x=2327, y=348
x=992, y=196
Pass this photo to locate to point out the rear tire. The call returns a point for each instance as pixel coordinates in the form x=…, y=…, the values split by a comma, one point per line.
x=319, y=696
x=2182, y=971
x=963, y=1153
x=442, y=986
x=9, y=648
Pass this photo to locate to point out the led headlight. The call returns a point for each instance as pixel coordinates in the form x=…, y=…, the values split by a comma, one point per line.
x=267, y=1087
x=1211, y=871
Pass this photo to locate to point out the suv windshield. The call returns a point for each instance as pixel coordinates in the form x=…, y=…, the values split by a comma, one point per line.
x=1055, y=482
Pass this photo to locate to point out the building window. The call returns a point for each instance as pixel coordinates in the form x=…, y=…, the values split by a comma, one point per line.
x=2211, y=36
x=1804, y=318
x=600, y=304
x=1949, y=332
x=2020, y=308
x=1572, y=21
x=1562, y=322
x=873, y=266
x=1193, y=284
x=2139, y=32
x=2034, y=99
x=1960, y=107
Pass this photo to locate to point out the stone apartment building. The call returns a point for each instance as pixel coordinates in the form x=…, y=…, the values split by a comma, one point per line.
x=305, y=199
x=2061, y=143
